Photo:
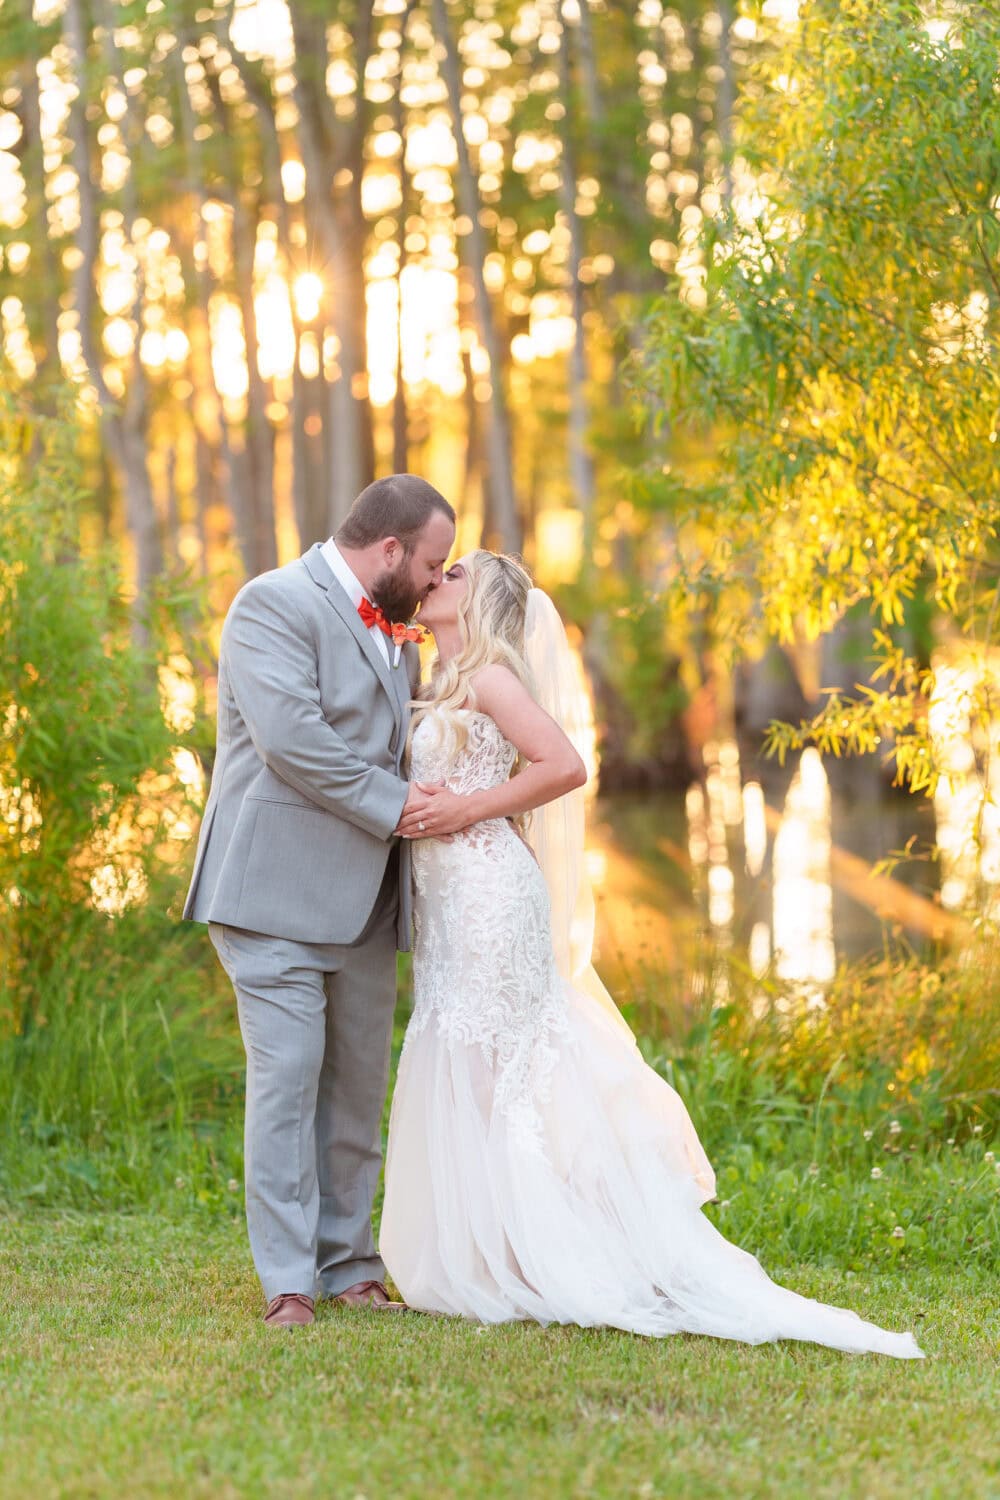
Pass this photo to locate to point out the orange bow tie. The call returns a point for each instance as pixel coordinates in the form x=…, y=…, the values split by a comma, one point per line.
x=372, y=614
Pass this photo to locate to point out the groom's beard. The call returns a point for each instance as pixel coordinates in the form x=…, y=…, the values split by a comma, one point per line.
x=396, y=594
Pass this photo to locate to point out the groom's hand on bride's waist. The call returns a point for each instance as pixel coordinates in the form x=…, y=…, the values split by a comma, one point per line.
x=433, y=812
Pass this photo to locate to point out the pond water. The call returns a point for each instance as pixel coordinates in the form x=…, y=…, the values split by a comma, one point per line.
x=790, y=871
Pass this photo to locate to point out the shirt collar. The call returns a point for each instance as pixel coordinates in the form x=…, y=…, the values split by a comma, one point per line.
x=334, y=559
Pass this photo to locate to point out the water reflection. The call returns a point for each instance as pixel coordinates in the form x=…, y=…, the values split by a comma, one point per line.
x=965, y=799
x=802, y=900
x=754, y=828
x=724, y=816
x=790, y=884
x=759, y=949
x=776, y=868
x=729, y=817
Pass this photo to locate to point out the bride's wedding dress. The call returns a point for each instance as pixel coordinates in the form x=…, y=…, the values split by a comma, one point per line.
x=537, y=1167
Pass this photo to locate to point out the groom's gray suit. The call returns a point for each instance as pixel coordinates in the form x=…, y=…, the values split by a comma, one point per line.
x=307, y=896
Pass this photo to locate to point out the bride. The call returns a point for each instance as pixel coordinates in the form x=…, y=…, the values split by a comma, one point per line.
x=537, y=1168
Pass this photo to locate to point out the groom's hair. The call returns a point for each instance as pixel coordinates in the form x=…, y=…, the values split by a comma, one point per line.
x=400, y=506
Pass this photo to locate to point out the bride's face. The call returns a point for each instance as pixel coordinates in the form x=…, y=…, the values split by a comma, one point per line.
x=441, y=605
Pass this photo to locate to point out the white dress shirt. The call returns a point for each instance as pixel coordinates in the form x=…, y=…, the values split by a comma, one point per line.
x=334, y=559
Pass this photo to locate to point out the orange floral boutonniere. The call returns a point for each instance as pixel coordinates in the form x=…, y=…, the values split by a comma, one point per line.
x=401, y=633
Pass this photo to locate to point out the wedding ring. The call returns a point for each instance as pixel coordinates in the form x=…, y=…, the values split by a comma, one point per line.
x=421, y=827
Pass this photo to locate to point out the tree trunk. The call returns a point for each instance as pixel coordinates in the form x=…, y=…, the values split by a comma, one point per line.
x=205, y=488
x=581, y=468
x=30, y=151
x=627, y=194
x=475, y=470
x=308, y=497
x=588, y=66
x=308, y=487
x=400, y=413
x=505, y=518
x=354, y=311
x=258, y=433
x=726, y=97
x=345, y=458
x=124, y=425
x=213, y=439
x=173, y=499
x=340, y=235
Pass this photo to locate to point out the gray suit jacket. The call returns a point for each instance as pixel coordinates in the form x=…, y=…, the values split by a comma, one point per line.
x=308, y=781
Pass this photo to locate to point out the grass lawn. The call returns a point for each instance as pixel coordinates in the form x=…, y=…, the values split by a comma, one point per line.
x=134, y=1364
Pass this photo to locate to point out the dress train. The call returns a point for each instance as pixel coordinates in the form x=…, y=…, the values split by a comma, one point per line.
x=538, y=1168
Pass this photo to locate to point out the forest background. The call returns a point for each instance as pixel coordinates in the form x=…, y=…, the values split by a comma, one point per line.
x=697, y=307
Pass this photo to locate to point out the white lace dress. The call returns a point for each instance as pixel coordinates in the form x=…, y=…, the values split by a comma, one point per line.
x=537, y=1168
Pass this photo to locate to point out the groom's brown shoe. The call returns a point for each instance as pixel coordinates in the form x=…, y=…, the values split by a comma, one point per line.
x=289, y=1310
x=369, y=1294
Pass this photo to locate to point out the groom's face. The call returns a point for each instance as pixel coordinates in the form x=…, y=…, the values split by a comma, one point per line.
x=408, y=577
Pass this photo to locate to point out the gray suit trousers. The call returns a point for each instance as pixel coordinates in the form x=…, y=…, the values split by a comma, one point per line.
x=316, y=1020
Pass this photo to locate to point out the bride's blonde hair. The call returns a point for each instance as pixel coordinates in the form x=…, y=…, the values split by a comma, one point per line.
x=491, y=628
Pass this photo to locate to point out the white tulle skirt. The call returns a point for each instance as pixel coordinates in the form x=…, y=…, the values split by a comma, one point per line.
x=593, y=1219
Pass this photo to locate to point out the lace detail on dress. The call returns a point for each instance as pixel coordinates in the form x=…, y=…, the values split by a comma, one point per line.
x=483, y=967
x=485, y=760
x=537, y=1167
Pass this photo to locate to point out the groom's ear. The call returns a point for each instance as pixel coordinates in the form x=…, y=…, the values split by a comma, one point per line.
x=392, y=550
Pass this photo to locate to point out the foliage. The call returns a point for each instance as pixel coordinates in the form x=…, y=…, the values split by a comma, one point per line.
x=843, y=342
x=253, y=171
x=131, y=1095
x=91, y=790
x=130, y=1099
x=132, y=1072
x=895, y=1039
x=861, y=1131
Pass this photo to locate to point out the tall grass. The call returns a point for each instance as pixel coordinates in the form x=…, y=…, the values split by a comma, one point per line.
x=115, y=1062
x=131, y=1075
x=859, y=1131
x=896, y=1038
x=856, y=1136
x=856, y=1133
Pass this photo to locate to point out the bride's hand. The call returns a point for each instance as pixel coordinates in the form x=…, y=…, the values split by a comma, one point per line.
x=439, y=814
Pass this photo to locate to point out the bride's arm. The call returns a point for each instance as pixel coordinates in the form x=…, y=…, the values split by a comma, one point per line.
x=554, y=767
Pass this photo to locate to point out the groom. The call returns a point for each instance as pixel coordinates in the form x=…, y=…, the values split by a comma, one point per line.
x=303, y=885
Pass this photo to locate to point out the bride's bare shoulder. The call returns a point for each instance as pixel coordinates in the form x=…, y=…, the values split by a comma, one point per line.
x=495, y=687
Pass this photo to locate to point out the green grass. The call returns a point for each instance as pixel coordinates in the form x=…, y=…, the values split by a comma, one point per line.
x=134, y=1363
x=856, y=1156
x=132, y=1074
